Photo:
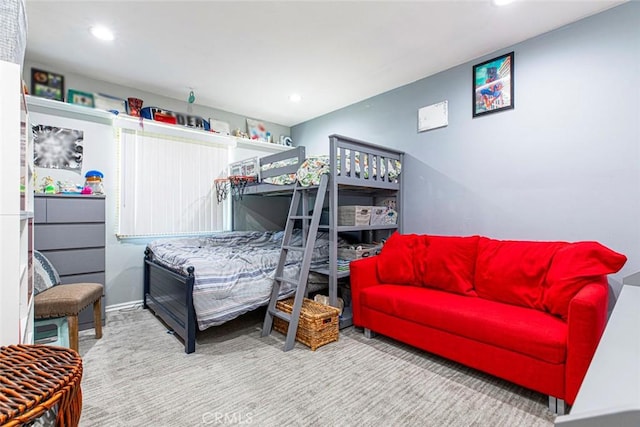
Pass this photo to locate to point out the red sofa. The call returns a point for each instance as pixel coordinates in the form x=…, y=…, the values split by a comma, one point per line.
x=526, y=311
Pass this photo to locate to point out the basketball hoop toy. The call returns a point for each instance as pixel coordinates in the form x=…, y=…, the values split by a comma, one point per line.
x=238, y=183
x=222, y=188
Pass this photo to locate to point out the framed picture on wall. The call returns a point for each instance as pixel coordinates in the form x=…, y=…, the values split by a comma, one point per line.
x=493, y=85
x=46, y=84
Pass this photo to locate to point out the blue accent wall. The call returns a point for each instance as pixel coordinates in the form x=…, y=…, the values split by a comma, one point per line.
x=563, y=165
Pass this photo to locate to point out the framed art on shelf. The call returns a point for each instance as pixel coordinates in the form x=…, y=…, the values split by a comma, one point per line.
x=80, y=98
x=218, y=126
x=257, y=130
x=46, y=84
x=109, y=103
x=493, y=85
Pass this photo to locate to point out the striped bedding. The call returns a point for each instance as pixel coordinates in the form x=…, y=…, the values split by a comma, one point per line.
x=234, y=270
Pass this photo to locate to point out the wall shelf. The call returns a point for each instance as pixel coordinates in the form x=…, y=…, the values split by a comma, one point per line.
x=80, y=112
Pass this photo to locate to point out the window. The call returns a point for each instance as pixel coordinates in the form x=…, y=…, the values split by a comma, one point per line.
x=166, y=183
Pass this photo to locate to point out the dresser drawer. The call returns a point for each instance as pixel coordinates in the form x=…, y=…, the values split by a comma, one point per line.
x=75, y=209
x=77, y=261
x=68, y=236
x=39, y=210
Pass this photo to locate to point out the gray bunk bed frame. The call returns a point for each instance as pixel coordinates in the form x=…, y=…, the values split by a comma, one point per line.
x=170, y=294
x=342, y=153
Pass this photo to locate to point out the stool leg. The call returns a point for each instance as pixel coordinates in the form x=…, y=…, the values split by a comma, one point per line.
x=97, y=318
x=73, y=332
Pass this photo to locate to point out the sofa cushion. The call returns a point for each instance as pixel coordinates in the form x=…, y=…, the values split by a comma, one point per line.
x=527, y=331
x=573, y=267
x=396, y=259
x=513, y=271
x=448, y=263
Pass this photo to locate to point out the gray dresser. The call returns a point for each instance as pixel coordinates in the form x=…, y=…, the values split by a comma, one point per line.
x=70, y=231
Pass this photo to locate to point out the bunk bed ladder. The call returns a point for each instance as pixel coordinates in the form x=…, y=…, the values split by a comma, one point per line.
x=310, y=223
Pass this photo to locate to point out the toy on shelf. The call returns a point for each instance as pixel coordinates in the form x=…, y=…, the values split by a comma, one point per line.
x=68, y=187
x=48, y=187
x=134, y=105
x=93, y=181
x=173, y=117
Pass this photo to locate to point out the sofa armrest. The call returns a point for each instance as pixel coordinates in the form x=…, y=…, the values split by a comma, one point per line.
x=585, y=325
x=364, y=273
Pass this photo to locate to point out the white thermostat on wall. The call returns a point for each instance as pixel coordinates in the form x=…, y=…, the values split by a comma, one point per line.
x=433, y=116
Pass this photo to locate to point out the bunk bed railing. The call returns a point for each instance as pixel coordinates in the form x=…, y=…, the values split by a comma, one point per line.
x=291, y=159
x=359, y=163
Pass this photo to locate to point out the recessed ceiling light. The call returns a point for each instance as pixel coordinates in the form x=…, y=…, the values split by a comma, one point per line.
x=502, y=2
x=102, y=33
x=294, y=97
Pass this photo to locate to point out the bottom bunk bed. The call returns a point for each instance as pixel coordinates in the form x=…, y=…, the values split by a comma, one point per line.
x=171, y=280
x=194, y=283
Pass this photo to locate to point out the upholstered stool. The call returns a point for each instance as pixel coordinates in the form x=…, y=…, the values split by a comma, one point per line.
x=67, y=301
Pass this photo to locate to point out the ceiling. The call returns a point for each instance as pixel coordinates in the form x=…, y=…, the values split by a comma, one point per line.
x=247, y=57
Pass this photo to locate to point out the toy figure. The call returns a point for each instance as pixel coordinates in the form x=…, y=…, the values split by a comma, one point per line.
x=48, y=186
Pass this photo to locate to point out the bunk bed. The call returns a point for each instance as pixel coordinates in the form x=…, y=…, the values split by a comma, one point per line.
x=354, y=166
x=170, y=277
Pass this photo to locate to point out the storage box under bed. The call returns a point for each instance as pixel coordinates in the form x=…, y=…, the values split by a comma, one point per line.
x=362, y=250
x=354, y=215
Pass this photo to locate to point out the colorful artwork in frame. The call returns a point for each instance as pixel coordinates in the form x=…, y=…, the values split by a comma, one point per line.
x=257, y=130
x=493, y=85
x=46, y=84
x=80, y=98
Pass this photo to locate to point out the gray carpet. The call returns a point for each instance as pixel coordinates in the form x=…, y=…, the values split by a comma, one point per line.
x=139, y=375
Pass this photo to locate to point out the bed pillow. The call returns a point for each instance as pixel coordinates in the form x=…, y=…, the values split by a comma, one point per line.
x=396, y=260
x=448, y=263
x=312, y=169
x=573, y=267
x=44, y=273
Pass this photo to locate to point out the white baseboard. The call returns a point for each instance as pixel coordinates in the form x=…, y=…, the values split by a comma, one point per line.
x=131, y=305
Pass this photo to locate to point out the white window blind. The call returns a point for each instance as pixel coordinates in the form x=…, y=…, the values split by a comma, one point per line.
x=166, y=184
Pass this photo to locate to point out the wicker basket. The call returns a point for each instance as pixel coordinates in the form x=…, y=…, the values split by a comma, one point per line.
x=318, y=324
x=35, y=380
